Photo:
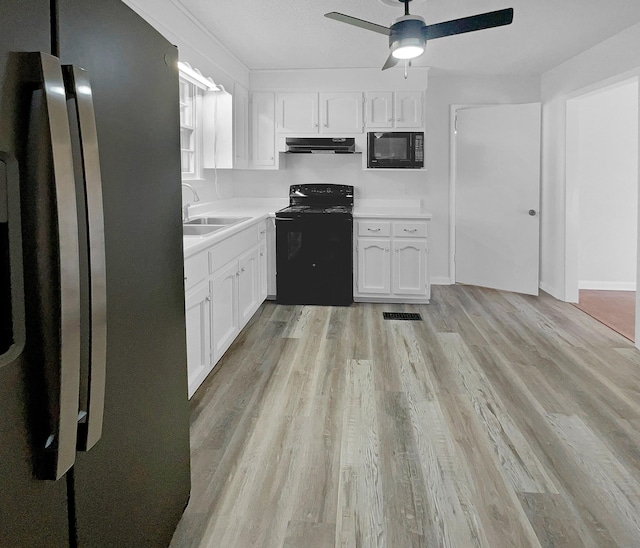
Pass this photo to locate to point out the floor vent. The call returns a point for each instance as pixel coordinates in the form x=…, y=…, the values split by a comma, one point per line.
x=402, y=316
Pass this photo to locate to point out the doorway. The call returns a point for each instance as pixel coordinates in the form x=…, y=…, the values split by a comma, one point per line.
x=602, y=203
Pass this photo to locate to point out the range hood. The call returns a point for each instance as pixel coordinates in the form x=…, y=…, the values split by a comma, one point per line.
x=321, y=145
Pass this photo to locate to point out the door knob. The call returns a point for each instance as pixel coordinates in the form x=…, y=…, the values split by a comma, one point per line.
x=532, y=212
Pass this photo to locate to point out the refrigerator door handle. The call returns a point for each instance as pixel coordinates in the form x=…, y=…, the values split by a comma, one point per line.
x=78, y=88
x=45, y=72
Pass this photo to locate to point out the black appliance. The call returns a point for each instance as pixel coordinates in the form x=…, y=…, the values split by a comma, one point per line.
x=94, y=417
x=321, y=145
x=314, y=246
x=395, y=149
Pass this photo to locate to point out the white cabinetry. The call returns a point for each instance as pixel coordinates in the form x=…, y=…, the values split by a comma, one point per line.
x=310, y=112
x=341, y=112
x=224, y=326
x=198, y=319
x=248, y=284
x=392, y=260
x=240, y=127
x=297, y=112
x=263, y=136
x=394, y=109
x=374, y=266
x=225, y=285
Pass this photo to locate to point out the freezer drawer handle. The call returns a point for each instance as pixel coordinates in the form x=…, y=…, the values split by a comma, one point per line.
x=78, y=88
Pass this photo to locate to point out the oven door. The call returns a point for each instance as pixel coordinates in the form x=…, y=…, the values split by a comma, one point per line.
x=314, y=260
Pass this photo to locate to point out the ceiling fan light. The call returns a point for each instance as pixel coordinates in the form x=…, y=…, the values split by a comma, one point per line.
x=408, y=48
x=408, y=52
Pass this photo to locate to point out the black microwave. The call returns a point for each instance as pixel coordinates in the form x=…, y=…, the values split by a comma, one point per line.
x=397, y=149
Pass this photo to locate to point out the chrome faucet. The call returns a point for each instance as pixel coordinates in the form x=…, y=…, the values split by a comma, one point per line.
x=185, y=208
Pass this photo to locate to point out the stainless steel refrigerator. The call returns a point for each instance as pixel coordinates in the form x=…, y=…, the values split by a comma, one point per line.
x=94, y=435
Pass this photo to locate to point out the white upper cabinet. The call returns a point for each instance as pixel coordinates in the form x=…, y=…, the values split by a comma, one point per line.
x=341, y=112
x=407, y=107
x=240, y=127
x=394, y=109
x=297, y=112
x=300, y=113
x=263, y=137
x=379, y=106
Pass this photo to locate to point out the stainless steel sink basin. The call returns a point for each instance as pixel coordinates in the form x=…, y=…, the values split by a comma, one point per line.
x=225, y=221
x=200, y=229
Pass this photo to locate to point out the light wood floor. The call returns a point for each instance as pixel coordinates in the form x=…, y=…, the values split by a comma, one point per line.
x=500, y=420
x=616, y=309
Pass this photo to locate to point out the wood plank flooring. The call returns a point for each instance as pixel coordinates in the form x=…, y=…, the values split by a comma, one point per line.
x=500, y=420
x=616, y=309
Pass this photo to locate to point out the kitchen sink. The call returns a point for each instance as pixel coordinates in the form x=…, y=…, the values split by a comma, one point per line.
x=224, y=221
x=200, y=229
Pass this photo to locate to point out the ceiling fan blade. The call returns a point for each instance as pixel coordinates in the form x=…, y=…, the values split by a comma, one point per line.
x=391, y=62
x=468, y=24
x=358, y=22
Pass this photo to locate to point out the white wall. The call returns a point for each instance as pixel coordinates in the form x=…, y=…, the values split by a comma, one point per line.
x=196, y=45
x=617, y=58
x=607, y=172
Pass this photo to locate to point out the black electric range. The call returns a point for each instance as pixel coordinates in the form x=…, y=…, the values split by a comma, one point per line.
x=314, y=246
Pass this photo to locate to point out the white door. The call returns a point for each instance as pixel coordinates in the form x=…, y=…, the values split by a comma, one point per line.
x=497, y=194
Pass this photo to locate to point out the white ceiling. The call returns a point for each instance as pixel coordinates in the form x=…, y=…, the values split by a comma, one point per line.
x=290, y=34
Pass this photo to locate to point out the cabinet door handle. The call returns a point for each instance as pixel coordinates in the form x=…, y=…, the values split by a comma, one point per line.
x=373, y=229
x=208, y=298
x=410, y=229
x=242, y=269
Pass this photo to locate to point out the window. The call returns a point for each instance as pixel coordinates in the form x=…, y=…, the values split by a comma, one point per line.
x=192, y=88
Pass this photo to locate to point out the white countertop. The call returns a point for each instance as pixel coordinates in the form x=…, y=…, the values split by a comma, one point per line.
x=258, y=209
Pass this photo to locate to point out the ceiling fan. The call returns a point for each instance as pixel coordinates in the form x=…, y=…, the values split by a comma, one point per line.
x=409, y=34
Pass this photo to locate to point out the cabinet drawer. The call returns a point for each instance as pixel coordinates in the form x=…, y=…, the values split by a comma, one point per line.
x=196, y=269
x=374, y=228
x=410, y=229
x=229, y=249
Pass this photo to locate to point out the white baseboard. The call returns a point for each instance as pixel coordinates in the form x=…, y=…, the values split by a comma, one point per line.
x=441, y=280
x=607, y=286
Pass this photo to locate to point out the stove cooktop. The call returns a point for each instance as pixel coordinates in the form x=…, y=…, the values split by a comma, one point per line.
x=299, y=210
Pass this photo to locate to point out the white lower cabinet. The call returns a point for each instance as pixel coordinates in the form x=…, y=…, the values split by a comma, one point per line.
x=198, y=319
x=374, y=267
x=248, y=284
x=225, y=325
x=409, y=269
x=231, y=285
x=391, y=261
